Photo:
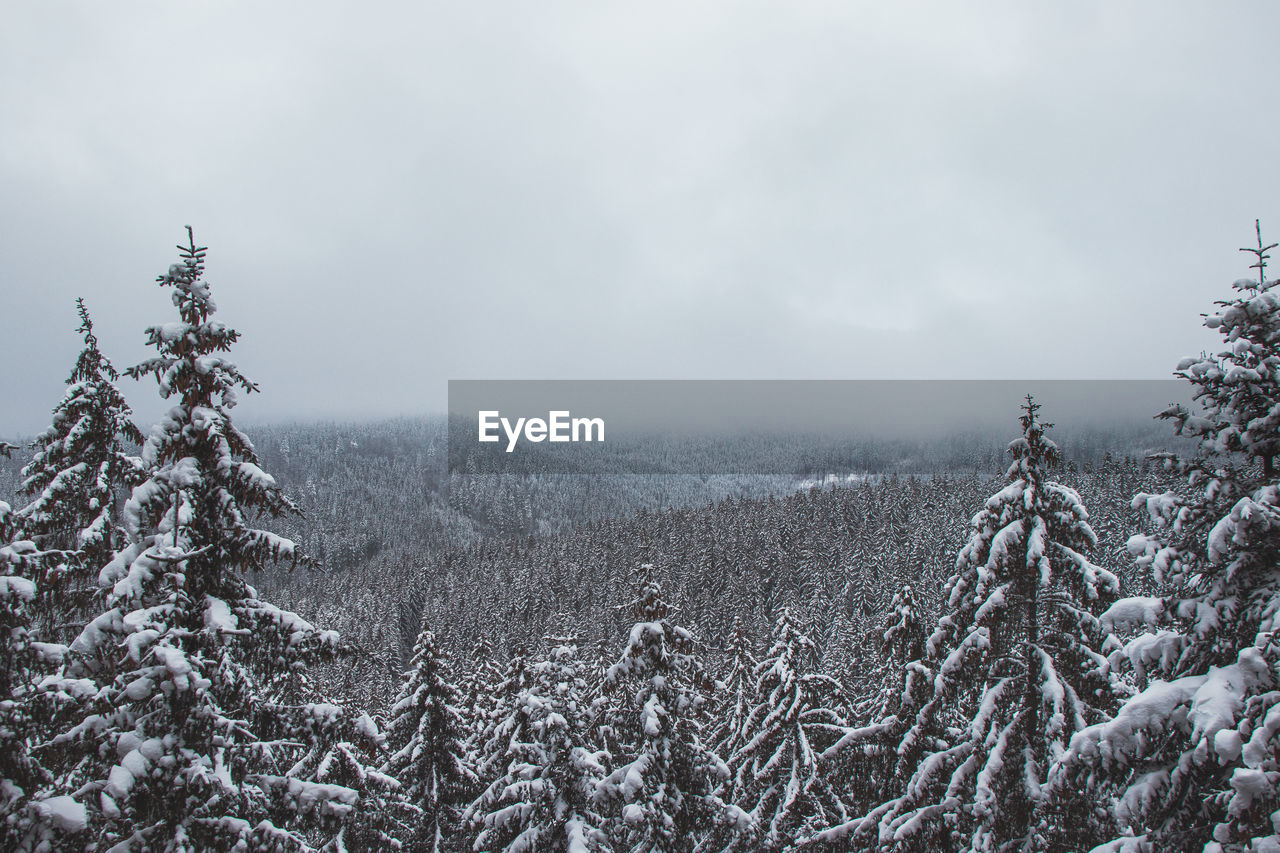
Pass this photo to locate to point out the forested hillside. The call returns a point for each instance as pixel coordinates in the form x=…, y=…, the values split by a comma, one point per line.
x=395, y=536
x=835, y=555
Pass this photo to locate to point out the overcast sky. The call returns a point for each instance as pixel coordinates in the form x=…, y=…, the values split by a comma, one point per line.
x=398, y=194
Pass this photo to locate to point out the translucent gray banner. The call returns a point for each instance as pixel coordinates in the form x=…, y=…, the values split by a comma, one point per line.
x=794, y=427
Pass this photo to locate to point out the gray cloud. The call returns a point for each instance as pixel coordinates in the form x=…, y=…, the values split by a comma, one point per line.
x=401, y=194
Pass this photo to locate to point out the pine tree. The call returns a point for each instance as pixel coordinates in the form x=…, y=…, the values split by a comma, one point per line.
x=207, y=699
x=776, y=774
x=862, y=669
x=488, y=757
x=864, y=757
x=479, y=690
x=427, y=738
x=736, y=696
x=1238, y=389
x=662, y=789
x=903, y=643
x=75, y=479
x=904, y=637
x=546, y=799
x=1018, y=666
x=1195, y=755
x=32, y=812
x=345, y=750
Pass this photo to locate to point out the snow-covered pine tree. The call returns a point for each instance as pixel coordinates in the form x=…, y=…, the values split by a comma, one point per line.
x=547, y=796
x=903, y=642
x=776, y=775
x=1238, y=389
x=864, y=757
x=32, y=813
x=345, y=749
x=427, y=737
x=1019, y=670
x=207, y=700
x=735, y=696
x=840, y=648
x=904, y=637
x=80, y=470
x=1196, y=754
x=662, y=790
x=862, y=666
x=488, y=756
x=479, y=689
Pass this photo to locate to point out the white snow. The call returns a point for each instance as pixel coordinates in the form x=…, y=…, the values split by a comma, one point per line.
x=63, y=812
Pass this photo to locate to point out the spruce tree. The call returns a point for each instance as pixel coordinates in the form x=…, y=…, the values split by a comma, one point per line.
x=865, y=755
x=904, y=637
x=76, y=478
x=479, y=690
x=546, y=798
x=1238, y=388
x=33, y=813
x=662, y=790
x=345, y=750
x=1018, y=670
x=427, y=737
x=735, y=697
x=1195, y=755
x=903, y=642
x=488, y=757
x=207, y=709
x=776, y=774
